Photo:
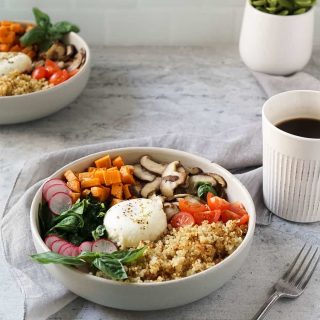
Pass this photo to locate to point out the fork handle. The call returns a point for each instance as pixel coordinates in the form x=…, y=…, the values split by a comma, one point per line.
x=266, y=306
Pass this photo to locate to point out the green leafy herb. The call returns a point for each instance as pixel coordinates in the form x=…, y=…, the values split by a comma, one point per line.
x=80, y=223
x=111, y=264
x=99, y=232
x=283, y=7
x=45, y=33
x=204, y=188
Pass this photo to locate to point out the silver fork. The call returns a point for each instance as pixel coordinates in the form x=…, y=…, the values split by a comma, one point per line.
x=294, y=281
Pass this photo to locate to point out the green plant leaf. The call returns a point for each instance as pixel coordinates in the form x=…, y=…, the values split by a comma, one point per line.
x=111, y=267
x=42, y=19
x=63, y=27
x=69, y=223
x=35, y=35
x=52, y=257
x=128, y=256
x=204, y=188
x=99, y=232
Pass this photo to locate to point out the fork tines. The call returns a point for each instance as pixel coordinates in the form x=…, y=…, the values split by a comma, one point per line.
x=303, y=266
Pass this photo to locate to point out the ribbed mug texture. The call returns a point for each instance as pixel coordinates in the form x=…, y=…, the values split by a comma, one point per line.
x=291, y=164
x=292, y=186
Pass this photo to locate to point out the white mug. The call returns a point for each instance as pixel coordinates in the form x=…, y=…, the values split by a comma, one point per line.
x=291, y=164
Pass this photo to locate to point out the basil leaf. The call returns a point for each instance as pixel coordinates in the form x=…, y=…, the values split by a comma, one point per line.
x=63, y=27
x=128, y=256
x=42, y=19
x=111, y=267
x=204, y=188
x=52, y=257
x=35, y=35
x=99, y=232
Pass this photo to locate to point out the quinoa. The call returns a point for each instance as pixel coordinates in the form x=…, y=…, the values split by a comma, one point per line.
x=15, y=83
x=185, y=251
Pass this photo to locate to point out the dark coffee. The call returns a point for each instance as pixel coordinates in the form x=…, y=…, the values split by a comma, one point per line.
x=303, y=127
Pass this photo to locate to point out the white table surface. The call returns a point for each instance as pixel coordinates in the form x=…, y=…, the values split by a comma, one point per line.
x=134, y=92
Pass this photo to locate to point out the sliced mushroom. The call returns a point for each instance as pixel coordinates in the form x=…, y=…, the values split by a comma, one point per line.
x=70, y=50
x=135, y=189
x=154, y=196
x=194, y=170
x=196, y=179
x=151, y=187
x=77, y=61
x=170, y=209
x=56, y=51
x=219, y=179
x=60, y=64
x=151, y=165
x=173, y=175
x=142, y=173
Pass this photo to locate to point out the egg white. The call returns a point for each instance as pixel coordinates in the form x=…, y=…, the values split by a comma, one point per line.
x=14, y=61
x=132, y=221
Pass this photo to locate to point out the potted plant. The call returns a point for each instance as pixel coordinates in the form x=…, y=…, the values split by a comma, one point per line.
x=277, y=35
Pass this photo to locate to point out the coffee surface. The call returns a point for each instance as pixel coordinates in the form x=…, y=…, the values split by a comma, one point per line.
x=303, y=127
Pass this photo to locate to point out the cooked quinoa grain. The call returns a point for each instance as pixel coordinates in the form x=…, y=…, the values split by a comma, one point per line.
x=185, y=251
x=15, y=84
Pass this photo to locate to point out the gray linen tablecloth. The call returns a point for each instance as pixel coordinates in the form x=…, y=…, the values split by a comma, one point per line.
x=238, y=148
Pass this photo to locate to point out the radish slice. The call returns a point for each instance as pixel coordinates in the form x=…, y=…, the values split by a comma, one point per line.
x=103, y=245
x=49, y=240
x=50, y=183
x=85, y=246
x=56, y=246
x=64, y=247
x=75, y=251
x=59, y=203
x=68, y=251
x=51, y=191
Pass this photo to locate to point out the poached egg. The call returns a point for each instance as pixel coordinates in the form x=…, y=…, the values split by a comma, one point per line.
x=14, y=61
x=132, y=221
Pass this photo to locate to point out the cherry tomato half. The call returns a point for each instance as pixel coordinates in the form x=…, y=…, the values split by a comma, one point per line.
x=210, y=216
x=39, y=73
x=238, y=208
x=191, y=207
x=217, y=203
x=51, y=67
x=59, y=77
x=227, y=215
x=182, y=219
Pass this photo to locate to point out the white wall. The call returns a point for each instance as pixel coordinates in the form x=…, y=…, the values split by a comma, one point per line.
x=144, y=22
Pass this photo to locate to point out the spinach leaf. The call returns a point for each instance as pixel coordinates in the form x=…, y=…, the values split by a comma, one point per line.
x=111, y=267
x=99, y=232
x=70, y=223
x=204, y=188
x=52, y=257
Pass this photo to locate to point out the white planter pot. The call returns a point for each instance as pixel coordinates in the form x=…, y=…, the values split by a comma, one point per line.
x=273, y=44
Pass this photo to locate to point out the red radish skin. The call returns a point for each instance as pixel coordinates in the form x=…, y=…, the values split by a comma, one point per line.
x=64, y=247
x=68, y=251
x=75, y=251
x=85, y=246
x=55, y=189
x=50, y=183
x=49, y=240
x=59, y=203
x=103, y=245
x=56, y=246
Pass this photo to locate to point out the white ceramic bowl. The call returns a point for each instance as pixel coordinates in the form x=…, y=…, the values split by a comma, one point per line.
x=151, y=296
x=32, y=106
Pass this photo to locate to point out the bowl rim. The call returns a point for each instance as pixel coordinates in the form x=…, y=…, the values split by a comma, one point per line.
x=246, y=241
x=63, y=84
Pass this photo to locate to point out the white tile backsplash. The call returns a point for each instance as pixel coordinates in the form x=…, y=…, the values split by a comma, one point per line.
x=144, y=22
